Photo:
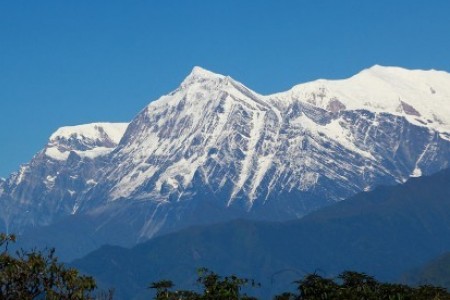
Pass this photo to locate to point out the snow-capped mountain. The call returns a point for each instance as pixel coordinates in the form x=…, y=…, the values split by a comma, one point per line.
x=213, y=149
x=50, y=186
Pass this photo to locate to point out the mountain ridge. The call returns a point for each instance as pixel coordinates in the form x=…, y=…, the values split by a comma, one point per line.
x=214, y=149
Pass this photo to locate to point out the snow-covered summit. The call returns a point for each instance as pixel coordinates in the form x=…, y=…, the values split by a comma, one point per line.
x=423, y=97
x=200, y=72
x=200, y=76
x=200, y=88
x=90, y=140
x=93, y=131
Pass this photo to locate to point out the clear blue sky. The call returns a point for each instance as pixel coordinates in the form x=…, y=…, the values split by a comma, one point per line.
x=73, y=62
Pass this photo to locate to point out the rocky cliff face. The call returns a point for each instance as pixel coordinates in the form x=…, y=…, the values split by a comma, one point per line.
x=213, y=150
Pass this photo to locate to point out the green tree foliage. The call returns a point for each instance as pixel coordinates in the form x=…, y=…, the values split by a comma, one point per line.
x=36, y=274
x=214, y=287
x=347, y=286
x=359, y=286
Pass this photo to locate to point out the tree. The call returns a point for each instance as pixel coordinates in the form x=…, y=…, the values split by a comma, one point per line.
x=36, y=274
x=227, y=288
x=214, y=288
x=315, y=287
x=359, y=286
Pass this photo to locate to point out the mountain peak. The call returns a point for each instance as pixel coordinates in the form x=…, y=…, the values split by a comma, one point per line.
x=86, y=140
x=199, y=71
x=200, y=74
x=93, y=131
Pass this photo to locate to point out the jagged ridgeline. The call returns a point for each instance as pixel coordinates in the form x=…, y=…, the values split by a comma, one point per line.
x=214, y=150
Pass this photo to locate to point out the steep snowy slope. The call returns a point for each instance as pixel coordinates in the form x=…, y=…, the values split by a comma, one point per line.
x=213, y=150
x=210, y=124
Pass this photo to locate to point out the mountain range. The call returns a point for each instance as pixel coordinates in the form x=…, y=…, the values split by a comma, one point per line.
x=214, y=150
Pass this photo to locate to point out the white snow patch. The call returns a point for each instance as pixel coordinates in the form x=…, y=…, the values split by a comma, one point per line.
x=91, y=182
x=172, y=182
x=94, y=131
x=50, y=181
x=75, y=208
x=131, y=181
x=264, y=164
x=308, y=179
x=417, y=172
x=445, y=136
x=50, y=178
x=54, y=153
x=22, y=171
x=93, y=153
x=152, y=226
x=183, y=168
x=333, y=131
